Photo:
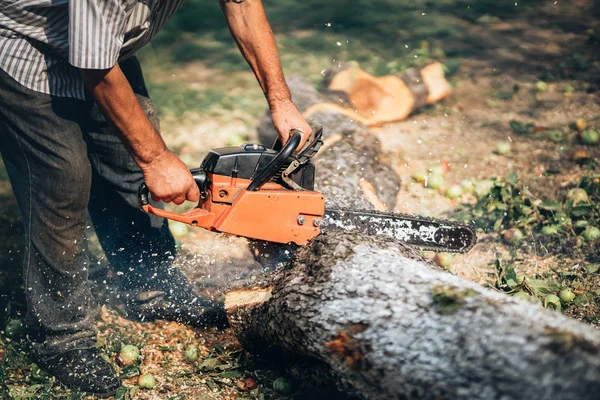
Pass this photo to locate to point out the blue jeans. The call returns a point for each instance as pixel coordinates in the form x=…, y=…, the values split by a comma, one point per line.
x=64, y=160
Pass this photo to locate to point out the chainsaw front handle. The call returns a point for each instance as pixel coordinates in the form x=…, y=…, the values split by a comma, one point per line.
x=279, y=161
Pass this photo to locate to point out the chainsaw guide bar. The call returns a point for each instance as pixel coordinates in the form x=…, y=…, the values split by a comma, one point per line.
x=425, y=233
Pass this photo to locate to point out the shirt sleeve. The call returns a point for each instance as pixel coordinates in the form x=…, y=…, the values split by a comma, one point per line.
x=96, y=31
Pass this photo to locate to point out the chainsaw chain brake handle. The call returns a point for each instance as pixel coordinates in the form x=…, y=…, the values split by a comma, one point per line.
x=265, y=174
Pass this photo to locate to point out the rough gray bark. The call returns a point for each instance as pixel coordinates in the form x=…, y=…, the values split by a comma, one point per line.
x=385, y=326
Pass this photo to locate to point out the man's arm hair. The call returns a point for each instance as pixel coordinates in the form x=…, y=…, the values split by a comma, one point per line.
x=113, y=93
x=251, y=30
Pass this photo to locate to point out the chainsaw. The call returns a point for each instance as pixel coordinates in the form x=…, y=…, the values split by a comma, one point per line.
x=268, y=194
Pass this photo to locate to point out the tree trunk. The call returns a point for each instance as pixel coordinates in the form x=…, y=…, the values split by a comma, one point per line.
x=380, y=323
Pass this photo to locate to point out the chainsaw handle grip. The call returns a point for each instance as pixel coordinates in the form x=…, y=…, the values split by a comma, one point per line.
x=198, y=175
x=275, y=165
x=143, y=195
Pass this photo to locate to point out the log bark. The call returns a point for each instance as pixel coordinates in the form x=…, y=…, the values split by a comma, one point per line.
x=382, y=324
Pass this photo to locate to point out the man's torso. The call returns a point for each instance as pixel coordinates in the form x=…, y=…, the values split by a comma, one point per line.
x=41, y=40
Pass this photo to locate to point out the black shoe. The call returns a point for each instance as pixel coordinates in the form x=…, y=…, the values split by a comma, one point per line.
x=194, y=311
x=84, y=370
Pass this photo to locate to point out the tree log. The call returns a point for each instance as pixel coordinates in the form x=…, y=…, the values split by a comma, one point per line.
x=383, y=324
x=387, y=98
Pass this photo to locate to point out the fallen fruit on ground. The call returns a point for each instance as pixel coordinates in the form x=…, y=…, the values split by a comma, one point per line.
x=590, y=137
x=434, y=182
x=146, y=381
x=283, y=385
x=581, y=124
x=580, y=155
x=483, y=188
x=467, y=185
x=443, y=259
x=191, y=353
x=525, y=296
x=246, y=384
x=513, y=236
x=437, y=169
x=556, y=135
x=503, y=148
x=566, y=295
x=550, y=230
x=577, y=196
x=13, y=328
x=419, y=176
x=454, y=191
x=552, y=301
x=541, y=86
x=128, y=355
x=591, y=234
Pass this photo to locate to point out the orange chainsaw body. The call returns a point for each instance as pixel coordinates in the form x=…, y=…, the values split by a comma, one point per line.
x=273, y=213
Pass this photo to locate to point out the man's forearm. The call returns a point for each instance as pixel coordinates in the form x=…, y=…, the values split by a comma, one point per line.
x=251, y=30
x=121, y=107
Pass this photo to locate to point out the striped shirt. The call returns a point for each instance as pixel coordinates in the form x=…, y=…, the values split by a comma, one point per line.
x=43, y=42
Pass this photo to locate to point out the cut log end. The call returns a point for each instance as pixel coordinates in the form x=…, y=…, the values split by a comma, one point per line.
x=247, y=297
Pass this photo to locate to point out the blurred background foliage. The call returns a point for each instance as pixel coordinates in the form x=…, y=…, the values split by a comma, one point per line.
x=384, y=36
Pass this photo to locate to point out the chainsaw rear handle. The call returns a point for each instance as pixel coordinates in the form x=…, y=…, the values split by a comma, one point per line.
x=197, y=173
x=265, y=174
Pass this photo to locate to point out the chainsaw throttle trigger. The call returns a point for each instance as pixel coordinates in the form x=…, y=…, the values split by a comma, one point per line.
x=265, y=174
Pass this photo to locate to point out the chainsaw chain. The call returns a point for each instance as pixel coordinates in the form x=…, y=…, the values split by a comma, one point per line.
x=469, y=226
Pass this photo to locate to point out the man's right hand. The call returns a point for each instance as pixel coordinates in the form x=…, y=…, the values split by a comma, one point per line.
x=168, y=179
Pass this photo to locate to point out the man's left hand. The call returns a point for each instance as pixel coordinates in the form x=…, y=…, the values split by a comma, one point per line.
x=287, y=118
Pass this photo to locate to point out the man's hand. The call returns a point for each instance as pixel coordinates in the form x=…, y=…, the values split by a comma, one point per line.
x=168, y=179
x=286, y=118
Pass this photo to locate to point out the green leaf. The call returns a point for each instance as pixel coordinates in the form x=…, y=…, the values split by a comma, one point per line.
x=133, y=391
x=583, y=299
x=121, y=392
x=129, y=372
x=582, y=210
x=167, y=348
x=521, y=128
x=502, y=95
x=541, y=287
x=593, y=268
x=232, y=374
x=210, y=364
x=550, y=205
x=211, y=385
x=510, y=274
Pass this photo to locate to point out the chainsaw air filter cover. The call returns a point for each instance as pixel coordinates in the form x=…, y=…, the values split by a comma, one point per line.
x=246, y=160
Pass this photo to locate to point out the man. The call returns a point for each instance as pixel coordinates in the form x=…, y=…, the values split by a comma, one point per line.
x=77, y=134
